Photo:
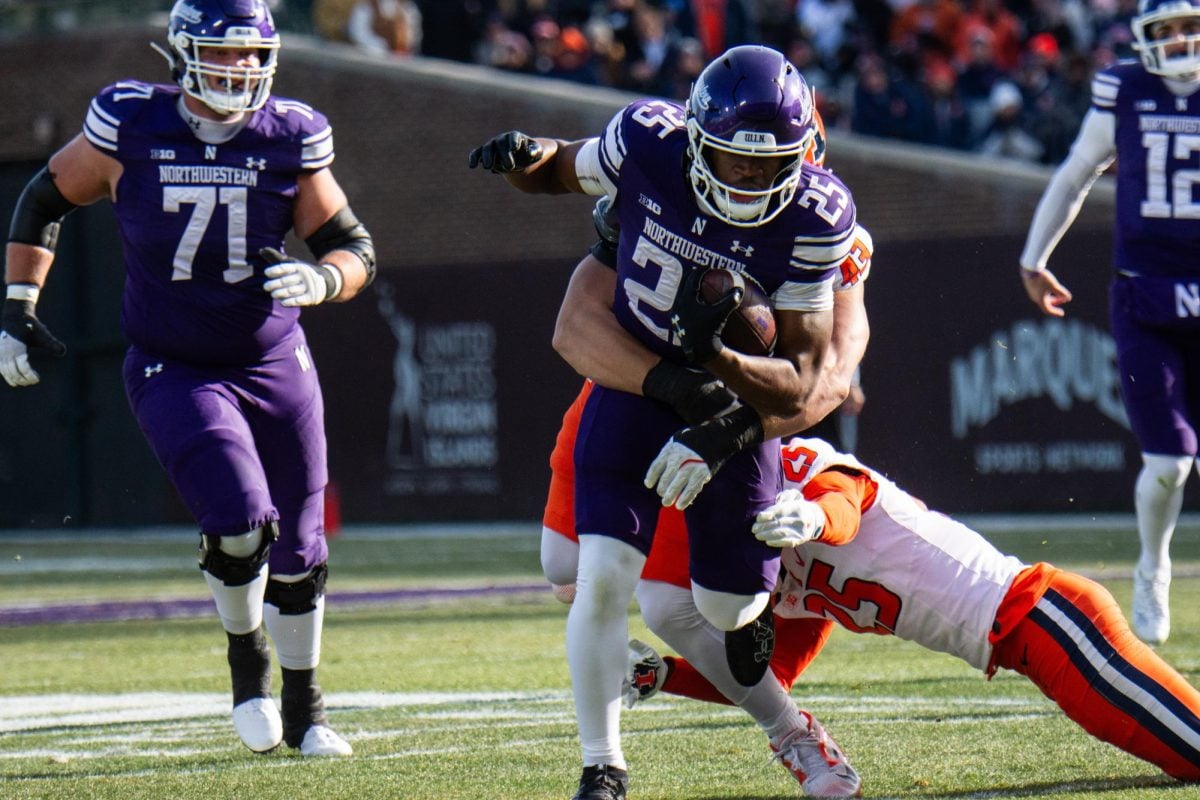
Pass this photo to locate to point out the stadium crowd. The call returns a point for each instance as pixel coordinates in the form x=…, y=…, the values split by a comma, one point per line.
x=1005, y=78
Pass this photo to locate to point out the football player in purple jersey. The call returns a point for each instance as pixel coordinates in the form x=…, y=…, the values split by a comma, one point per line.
x=718, y=182
x=1146, y=115
x=206, y=177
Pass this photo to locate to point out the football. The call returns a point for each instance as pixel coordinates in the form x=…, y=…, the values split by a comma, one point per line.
x=750, y=329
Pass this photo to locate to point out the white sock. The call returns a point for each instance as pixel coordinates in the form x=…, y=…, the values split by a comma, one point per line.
x=1158, y=497
x=239, y=607
x=670, y=612
x=597, y=639
x=297, y=637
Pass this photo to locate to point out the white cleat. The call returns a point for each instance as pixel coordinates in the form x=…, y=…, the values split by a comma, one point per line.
x=1151, y=606
x=258, y=724
x=320, y=740
x=816, y=761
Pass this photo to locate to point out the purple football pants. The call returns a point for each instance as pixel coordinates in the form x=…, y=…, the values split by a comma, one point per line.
x=1160, y=378
x=619, y=435
x=243, y=446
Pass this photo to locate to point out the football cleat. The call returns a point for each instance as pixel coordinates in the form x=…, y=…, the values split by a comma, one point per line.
x=645, y=673
x=320, y=740
x=816, y=761
x=602, y=782
x=1151, y=606
x=258, y=724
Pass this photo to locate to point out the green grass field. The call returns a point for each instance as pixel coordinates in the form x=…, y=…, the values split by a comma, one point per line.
x=468, y=697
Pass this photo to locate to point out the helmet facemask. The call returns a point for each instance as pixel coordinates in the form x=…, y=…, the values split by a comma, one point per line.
x=738, y=206
x=238, y=88
x=1158, y=52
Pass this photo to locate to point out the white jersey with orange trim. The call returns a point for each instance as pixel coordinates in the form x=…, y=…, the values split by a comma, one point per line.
x=910, y=572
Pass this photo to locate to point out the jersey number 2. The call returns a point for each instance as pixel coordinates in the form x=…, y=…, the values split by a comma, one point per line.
x=204, y=201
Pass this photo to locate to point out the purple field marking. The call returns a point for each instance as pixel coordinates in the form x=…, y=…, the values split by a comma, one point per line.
x=110, y=611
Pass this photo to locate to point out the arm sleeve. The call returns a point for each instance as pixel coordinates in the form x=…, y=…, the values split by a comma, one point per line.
x=843, y=496
x=1090, y=155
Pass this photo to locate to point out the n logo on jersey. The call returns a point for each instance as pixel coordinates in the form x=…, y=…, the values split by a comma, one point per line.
x=698, y=226
x=210, y=152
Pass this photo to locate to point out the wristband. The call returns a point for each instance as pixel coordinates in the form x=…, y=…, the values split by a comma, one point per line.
x=27, y=292
x=333, y=279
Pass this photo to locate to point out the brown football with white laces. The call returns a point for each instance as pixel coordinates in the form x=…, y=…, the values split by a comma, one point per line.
x=750, y=328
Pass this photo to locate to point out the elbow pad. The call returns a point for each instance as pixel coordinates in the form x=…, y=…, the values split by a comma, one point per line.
x=39, y=212
x=343, y=231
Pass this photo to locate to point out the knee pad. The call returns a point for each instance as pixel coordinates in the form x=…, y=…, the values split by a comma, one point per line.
x=728, y=611
x=298, y=597
x=237, y=560
x=1166, y=472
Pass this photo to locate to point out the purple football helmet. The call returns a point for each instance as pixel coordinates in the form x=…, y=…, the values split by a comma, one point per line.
x=748, y=102
x=1174, y=53
x=232, y=24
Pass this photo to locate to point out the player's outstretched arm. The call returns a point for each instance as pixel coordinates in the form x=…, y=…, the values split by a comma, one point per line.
x=537, y=165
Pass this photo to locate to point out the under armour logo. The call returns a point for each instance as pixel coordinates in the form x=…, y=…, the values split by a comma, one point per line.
x=738, y=247
x=153, y=370
x=255, y=163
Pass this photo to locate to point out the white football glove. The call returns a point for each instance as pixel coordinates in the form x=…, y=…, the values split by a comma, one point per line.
x=790, y=521
x=678, y=473
x=298, y=283
x=14, y=362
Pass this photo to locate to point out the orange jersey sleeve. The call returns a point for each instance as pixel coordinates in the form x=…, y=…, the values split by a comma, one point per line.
x=844, y=495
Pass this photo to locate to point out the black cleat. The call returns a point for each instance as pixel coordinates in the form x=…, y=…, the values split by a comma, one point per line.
x=602, y=782
x=748, y=649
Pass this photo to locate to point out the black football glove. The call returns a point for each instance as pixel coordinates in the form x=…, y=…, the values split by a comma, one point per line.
x=696, y=323
x=20, y=332
x=695, y=395
x=507, y=152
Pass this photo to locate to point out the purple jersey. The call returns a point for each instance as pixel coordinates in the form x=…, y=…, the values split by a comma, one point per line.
x=642, y=157
x=193, y=217
x=1158, y=183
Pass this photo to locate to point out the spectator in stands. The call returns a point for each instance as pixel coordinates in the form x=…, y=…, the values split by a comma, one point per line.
x=825, y=23
x=1001, y=26
x=1007, y=137
x=928, y=26
x=717, y=24
x=887, y=105
x=385, y=27
x=1056, y=106
x=951, y=124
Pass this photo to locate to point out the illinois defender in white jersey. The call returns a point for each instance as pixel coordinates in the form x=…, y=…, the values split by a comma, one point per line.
x=861, y=552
